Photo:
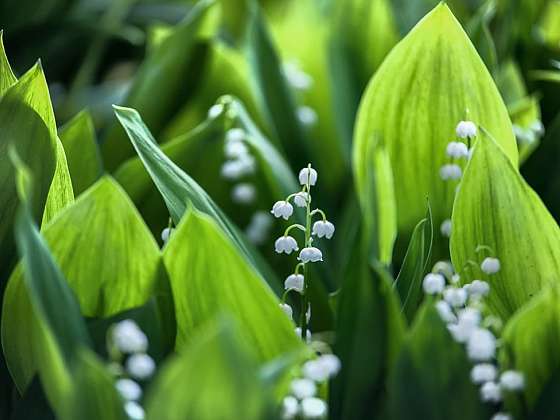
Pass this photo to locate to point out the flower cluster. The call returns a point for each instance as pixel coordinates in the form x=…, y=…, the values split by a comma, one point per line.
x=529, y=135
x=457, y=151
x=300, y=82
x=126, y=342
x=287, y=244
x=303, y=400
x=460, y=308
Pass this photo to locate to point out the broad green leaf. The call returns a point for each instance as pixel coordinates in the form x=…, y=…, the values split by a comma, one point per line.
x=82, y=152
x=431, y=376
x=162, y=83
x=125, y=278
x=177, y=188
x=479, y=32
x=369, y=331
x=7, y=77
x=208, y=274
x=93, y=395
x=409, y=281
x=215, y=378
x=429, y=82
x=531, y=340
x=496, y=208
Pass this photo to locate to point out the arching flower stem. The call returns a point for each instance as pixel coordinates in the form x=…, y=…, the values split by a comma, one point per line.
x=304, y=296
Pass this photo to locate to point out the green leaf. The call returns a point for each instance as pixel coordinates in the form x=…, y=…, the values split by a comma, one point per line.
x=369, y=331
x=82, y=152
x=109, y=273
x=7, y=77
x=496, y=208
x=429, y=82
x=416, y=260
x=431, y=377
x=178, y=189
x=163, y=82
x=225, y=375
x=208, y=274
x=479, y=32
x=531, y=340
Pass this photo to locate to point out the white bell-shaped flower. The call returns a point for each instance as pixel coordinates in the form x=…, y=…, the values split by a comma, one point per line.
x=307, y=334
x=477, y=289
x=287, y=309
x=296, y=77
x=244, y=193
x=303, y=388
x=294, y=282
x=491, y=392
x=455, y=278
x=140, y=366
x=235, y=135
x=323, y=228
x=450, y=172
x=457, y=150
x=215, y=111
x=501, y=416
x=285, y=244
x=468, y=321
x=165, y=234
x=128, y=389
x=308, y=174
x=512, y=380
x=481, y=345
x=433, y=283
x=307, y=115
x=300, y=199
x=466, y=129
x=313, y=408
x=134, y=411
x=237, y=168
x=445, y=312
x=258, y=228
x=455, y=296
x=445, y=228
x=310, y=254
x=282, y=209
x=290, y=407
x=128, y=338
x=490, y=265
x=235, y=149
x=322, y=368
x=483, y=372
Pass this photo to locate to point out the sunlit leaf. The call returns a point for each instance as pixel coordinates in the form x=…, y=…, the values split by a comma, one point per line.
x=7, y=77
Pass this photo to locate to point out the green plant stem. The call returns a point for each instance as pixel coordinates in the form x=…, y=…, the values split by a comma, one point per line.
x=304, y=296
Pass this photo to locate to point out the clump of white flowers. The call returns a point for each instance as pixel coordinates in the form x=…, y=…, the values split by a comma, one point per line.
x=460, y=308
x=303, y=400
x=530, y=134
x=297, y=281
x=300, y=82
x=127, y=346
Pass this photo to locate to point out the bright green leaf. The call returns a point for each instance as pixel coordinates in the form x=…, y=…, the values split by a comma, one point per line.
x=7, y=77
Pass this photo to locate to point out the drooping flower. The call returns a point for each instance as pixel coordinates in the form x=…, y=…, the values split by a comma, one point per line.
x=310, y=254
x=306, y=115
x=235, y=149
x=322, y=368
x=238, y=168
x=445, y=228
x=433, y=283
x=285, y=244
x=457, y=150
x=512, y=380
x=308, y=173
x=282, y=209
x=128, y=389
x=244, y=193
x=165, y=234
x=303, y=388
x=455, y=296
x=313, y=408
x=128, y=338
x=294, y=282
x=140, y=366
x=490, y=392
x=307, y=334
x=466, y=129
x=502, y=416
x=300, y=199
x=483, y=372
x=290, y=407
x=477, y=288
x=445, y=312
x=468, y=321
x=259, y=226
x=450, y=172
x=235, y=135
x=296, y=77
x=323, y=228
x=215, y=111
x=490, y=265
x=481, y=345
x=287, y=309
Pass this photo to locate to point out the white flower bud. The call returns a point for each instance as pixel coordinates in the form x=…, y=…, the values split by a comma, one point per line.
x=468, y=321
x=294, y=282
x=307, y=334
x=466, y=129
x=306, y=174
x=134, y=410
x=235, y=149
x=244, y=193
x=306, y=115
x=455, y=278
x=483, y=372
x=297, y=78
x=512, y=380
x=287, y=309
x=490, y=265
x=445, y=312
x=140, y=366
x=444, y=268
x=290, y=407
x=285, y=244
x=313, y=408
x=165, y=234
x=457, y=150
x=450, y=172
x=303, y=388
x=238, y=168
x=300, y=199
x=310, y=254
x=235, y=135
x=477, y=289
x=128, y=338
x=323, y=228
x=321, y=369
x=445, y=228
x=128, y=389
x=490, y=392
x=259, y=226
x=501, y=416
x=481, y=345
x=455, y=297
x=433, y=283
x=215, y=111
x=282, y=209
